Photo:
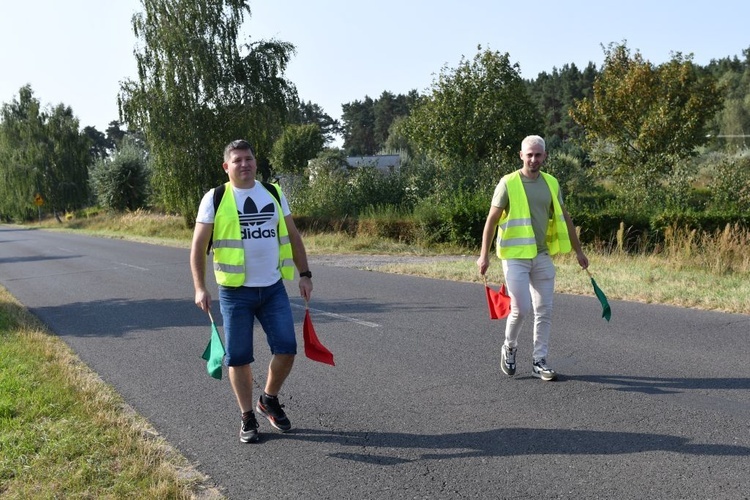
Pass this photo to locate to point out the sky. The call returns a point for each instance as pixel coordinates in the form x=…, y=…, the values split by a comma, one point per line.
x=77, y=52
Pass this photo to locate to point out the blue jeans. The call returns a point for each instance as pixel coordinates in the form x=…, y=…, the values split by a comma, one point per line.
x=239, y=308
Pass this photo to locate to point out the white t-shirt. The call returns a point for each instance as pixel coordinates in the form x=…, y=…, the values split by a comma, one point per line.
x=259, y=219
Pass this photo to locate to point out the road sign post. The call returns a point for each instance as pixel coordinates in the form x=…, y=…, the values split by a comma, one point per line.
x=39, y=201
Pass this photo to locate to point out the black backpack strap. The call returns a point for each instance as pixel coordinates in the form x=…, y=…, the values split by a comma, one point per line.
x=271, y=188
x=218, y=195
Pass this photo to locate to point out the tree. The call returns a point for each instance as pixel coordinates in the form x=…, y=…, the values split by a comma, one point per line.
x=23, y=155
x=642, y=120
x=397, y=141
x=198, y=89
x=555, y=94
x=476, y=113
x=297, y=145
x=732, y=125
x=359, y=127
x=367, y=123
x=41, y=152
x=100, y=146
x=473, y=120
x=65, y=177
x=115, y=134
x=310, y=113
x=121, y=181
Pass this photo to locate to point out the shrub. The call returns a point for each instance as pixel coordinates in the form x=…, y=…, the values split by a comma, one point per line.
x=730, y=184
x=458, y=219
x=121, y=182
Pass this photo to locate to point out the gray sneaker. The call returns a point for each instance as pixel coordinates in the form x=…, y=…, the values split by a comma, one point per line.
x=249, y=429
x=508, y=361
x=540, y=369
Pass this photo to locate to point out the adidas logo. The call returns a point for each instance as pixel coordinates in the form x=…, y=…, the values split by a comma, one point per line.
x=254, y=217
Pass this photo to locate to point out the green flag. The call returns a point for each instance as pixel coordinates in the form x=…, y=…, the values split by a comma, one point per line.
x=214, y=353
x=606, y=310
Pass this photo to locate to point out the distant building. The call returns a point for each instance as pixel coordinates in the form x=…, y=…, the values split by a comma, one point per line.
x=384, y=163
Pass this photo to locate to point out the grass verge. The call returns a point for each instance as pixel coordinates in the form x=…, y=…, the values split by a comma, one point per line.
x=65, y=434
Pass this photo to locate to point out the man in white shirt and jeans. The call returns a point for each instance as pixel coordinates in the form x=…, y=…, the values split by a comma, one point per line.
x=255, y=244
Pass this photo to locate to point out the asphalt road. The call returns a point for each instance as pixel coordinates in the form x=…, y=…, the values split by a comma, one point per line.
x=654, y=404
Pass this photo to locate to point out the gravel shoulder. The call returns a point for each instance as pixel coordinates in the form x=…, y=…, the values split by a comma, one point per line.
x=374, y=261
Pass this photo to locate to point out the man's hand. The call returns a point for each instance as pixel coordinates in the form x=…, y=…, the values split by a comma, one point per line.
x=203, y=300
x=583, y=261
x=305, y=288
x=483, y=263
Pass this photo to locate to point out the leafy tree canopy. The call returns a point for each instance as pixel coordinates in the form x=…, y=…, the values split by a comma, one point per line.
x=367, y=123
x=42, y=152
x=198, y=89
x=476, y=113
x=640, y=115
x=297, y=145
x=311, y=113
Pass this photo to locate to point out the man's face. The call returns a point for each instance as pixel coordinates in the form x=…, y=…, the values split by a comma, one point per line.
x=533, y=157
x=241, y=167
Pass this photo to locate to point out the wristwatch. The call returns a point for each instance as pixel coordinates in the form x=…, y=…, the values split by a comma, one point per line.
x=305, y=274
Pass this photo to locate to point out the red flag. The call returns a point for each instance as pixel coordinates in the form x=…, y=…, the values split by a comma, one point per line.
x=498, y=302
x=313, y=348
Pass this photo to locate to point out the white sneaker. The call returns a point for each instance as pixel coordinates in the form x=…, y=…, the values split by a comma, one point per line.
x=540, y=369
x=508, y=360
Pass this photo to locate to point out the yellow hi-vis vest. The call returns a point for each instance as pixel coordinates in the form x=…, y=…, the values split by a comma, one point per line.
x=229, y=251
x=515, y=234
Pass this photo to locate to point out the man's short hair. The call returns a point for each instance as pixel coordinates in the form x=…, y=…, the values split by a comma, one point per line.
x=533, y=140
x=238, y=144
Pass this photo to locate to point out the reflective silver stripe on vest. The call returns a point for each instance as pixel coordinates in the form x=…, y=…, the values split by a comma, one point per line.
x=226, y=268
x=228, y=244
x=517, y=242
x=287, y=262
x=515, y=223
x=284, y=240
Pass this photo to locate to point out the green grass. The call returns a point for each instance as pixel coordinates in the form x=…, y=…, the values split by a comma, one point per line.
x=65, y=434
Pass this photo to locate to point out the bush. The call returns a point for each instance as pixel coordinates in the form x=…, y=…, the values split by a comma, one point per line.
x=122, y=181
x=388, y=222
x=708, y=222
x=457, y=219
x=335, y=191
x=624, y=230
x=731, y=184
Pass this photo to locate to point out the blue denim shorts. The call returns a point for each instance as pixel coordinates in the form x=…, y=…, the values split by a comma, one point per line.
x=239, y=308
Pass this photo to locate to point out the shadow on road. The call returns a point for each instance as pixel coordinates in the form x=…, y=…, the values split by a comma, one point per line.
x=383, y=447
x=662, y=385
x=35, y=258
x=118, y=316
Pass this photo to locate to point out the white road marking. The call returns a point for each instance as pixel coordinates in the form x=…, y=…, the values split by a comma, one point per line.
x=340, y=316
x=131, y=265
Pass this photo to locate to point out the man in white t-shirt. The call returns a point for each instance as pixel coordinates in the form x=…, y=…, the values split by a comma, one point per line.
x=255, y=245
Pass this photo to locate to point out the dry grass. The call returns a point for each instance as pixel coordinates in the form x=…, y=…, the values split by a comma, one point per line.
x=721, y=252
